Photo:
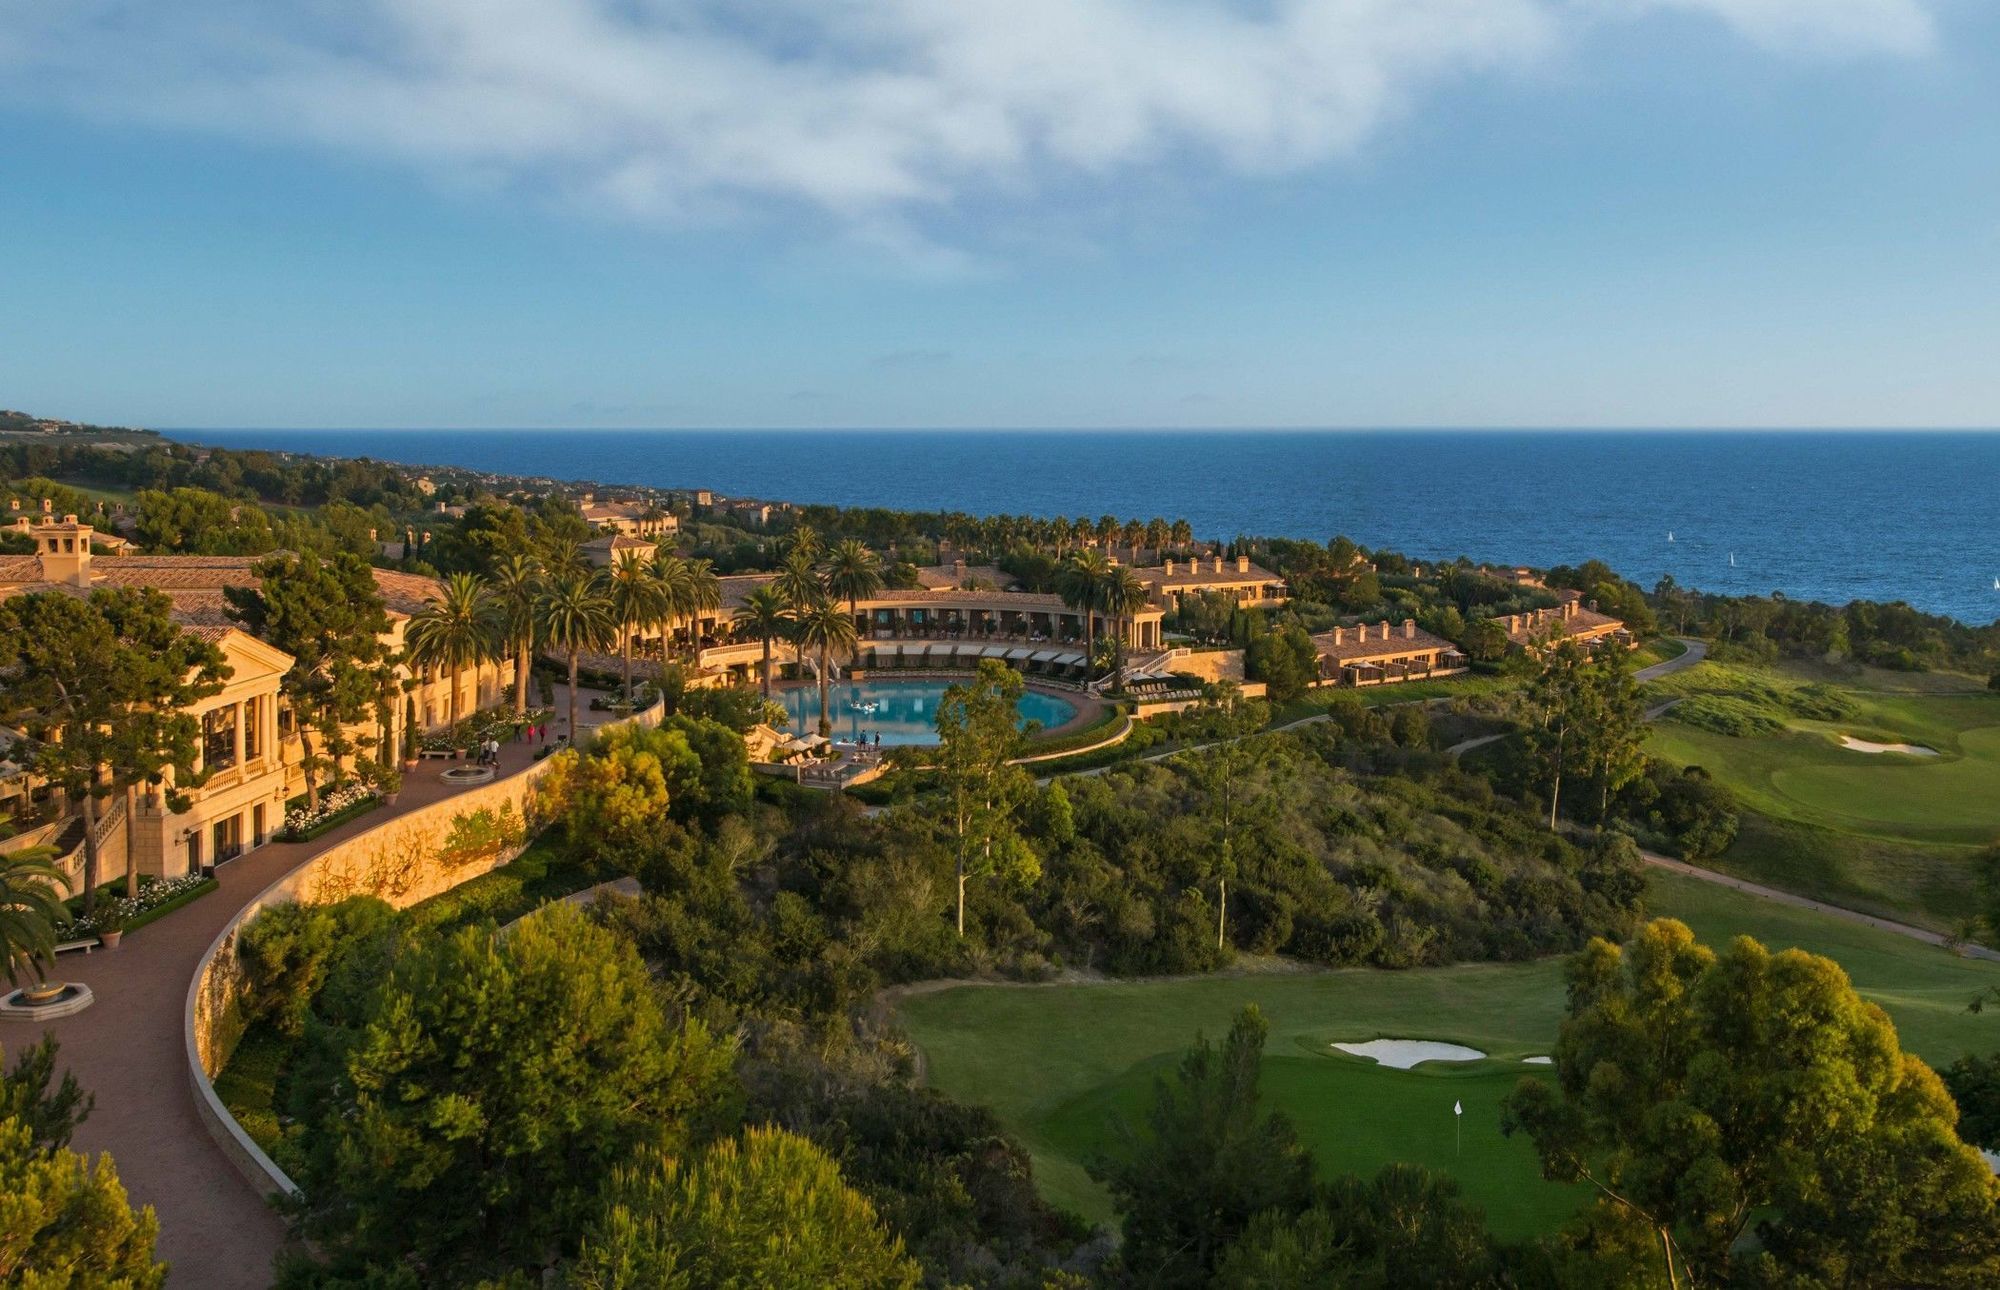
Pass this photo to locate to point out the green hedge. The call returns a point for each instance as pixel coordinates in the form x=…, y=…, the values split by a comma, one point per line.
x=331, y=822
x=187, y=897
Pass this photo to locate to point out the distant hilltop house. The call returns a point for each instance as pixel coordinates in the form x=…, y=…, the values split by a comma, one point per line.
x=424, y=485
x=1379, y=654
x=249, y=752
x=1572, y=620
x=632, y=518
x=1518, y=576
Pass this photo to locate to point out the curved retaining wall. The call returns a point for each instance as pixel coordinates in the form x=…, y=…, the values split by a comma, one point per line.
x=401, y=861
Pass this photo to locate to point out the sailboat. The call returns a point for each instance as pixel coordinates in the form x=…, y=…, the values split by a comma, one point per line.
x=1732, y=559
x=1996, y=584
x=1670, y=535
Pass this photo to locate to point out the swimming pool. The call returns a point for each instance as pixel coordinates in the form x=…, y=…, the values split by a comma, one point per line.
x=903, y=711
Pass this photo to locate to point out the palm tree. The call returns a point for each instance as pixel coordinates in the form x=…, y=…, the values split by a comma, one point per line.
x=454, y=630
x=829, y=629
x=799, y=582
x=637, y=598
x=516, y=581
x=563, y=553
x=1080, y=583
x=804, y=541
x=1181, y=533
x=573, y=615
x=676, y=579
x=704, y=597
x=851, y=572
x=1122, y=596
x=766, y=612
x=31, y=908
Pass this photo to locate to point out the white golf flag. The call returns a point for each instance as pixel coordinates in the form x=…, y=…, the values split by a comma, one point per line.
x=1458, y=1108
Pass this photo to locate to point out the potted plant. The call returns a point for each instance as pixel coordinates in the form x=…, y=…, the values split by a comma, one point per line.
x=409, y=749
x=110, y=923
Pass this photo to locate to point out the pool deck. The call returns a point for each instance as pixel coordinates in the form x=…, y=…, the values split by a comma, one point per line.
x=1088, y=706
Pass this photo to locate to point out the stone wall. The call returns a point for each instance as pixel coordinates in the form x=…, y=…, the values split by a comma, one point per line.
x=403, y=860
x=1209, y=665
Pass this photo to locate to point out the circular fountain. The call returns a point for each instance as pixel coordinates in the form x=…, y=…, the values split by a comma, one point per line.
x=462, y=776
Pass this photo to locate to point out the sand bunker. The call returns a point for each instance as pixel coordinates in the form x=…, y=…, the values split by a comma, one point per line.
x=1852, y=744
x=1405, y=1053
x=1538, y=1061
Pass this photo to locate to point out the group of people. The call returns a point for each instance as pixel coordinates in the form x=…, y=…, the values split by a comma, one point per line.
x=537, y=733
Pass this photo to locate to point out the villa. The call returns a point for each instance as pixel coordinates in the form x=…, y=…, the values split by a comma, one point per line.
x=1571, y=619
x=1250, y=585
x=1377, y=654
x=249, y=749
x=605, y=551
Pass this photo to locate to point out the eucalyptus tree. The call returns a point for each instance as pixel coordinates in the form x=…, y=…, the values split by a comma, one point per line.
x=511, y=591
x=767, y=613
x=979, y=733
x=637, y=598
x=827, y=629
x=1080, y=583
x=573, y=615
x=454, y=631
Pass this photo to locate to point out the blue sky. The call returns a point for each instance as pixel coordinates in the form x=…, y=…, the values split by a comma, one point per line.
x=1039, y=213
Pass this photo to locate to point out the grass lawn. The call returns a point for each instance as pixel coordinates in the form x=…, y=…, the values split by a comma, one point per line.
x=1056, y=1062
x=1883, y=832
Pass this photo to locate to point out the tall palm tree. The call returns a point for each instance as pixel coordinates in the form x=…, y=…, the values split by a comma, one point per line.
x=31, y=908
x=573, y=615
x=805, y=541
x=515, y=583
x=563, y=553
x=637, y=598
x=454, y=630
x=825, y=627
x=1080, y=583
x=1122, y=595
x=766, y=612
x=799, y=582
x=704, y=598
x=851, y=571
x=1181, y=533
x=676, y=579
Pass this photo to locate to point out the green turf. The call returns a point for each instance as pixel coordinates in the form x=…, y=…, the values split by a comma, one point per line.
x=1055, y=1061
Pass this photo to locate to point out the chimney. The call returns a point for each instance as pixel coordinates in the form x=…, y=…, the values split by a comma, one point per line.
x=65, y=550
x=440, y=508
x=1170, y=568
x=1218, y=564
x=372, y=536
x=1340, y=636
x=1569, y=609
x=1409, y=629
x=13, y=503
x=958, y=571
x=48, y=507
x=1242, y=564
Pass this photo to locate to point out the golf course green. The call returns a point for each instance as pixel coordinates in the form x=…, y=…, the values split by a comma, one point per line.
x=1059, y=1062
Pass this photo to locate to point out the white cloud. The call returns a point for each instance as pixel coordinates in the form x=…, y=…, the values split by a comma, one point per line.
x=879, y=115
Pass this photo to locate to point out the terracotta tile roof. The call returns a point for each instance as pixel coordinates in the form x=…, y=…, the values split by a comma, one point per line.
x=171, y=578
x=19, y=569
x=1524, y=629
x=406, y=593
x=1383, y=641
x=945, y=577
x=621, y=542
x=1184, y=577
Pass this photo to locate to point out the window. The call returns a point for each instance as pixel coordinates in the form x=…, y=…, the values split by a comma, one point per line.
x=218, y=739
x=253, y=727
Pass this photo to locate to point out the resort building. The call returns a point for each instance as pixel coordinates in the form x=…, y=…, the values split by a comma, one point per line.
x=249, y=749
x=941, y=627
x=1379, y=654
x=631, y=518
x=1571, y=619
x=608, y=550
x=1250, y=585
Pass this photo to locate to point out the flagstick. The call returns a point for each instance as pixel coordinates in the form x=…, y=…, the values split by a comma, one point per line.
x=1457, y=1128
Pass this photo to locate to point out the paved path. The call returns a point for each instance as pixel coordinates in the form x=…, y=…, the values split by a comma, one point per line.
x=1696, y=651
x=1925, y=935
x=127, y=1049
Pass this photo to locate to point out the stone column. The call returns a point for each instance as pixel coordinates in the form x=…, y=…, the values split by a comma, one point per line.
x=241, y=730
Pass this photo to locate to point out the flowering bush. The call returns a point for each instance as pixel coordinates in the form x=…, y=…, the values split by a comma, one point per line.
x=120, y=911
x=331, y=803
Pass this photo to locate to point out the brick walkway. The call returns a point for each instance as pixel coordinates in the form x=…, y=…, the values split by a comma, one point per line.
x=127, y=1049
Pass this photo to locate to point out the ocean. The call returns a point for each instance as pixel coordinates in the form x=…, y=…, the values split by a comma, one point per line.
x=1822, y=516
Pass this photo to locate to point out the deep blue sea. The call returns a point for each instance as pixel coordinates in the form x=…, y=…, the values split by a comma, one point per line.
x=1824, y=516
